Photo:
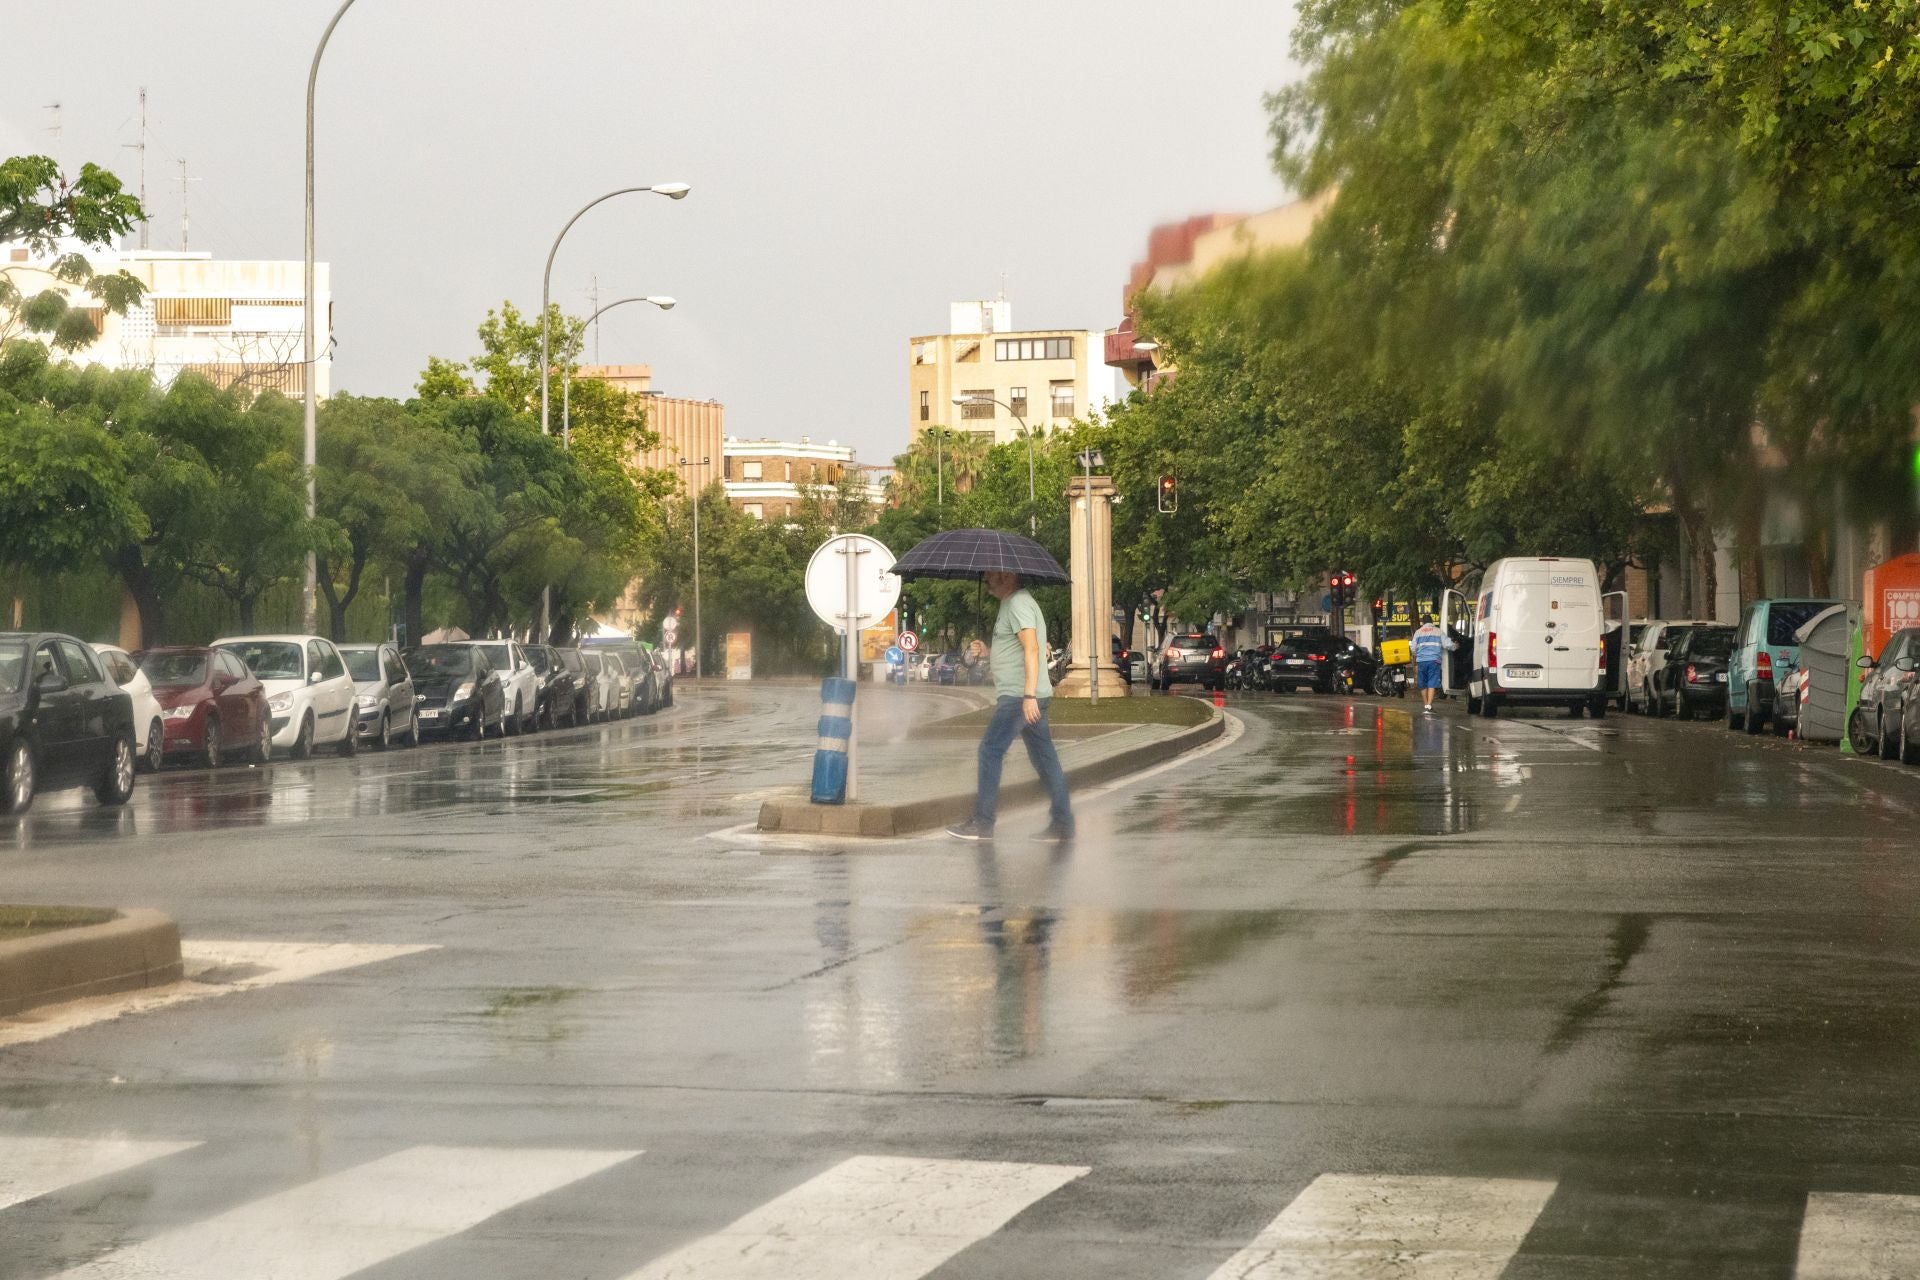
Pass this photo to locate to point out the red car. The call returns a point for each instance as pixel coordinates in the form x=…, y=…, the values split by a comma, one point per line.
x=210, y=704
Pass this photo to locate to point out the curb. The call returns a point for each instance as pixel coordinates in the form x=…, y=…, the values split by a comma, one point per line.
x=800, y=816
x=139, y=948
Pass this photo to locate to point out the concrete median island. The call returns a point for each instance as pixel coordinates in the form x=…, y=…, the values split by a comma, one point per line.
x=49, y=955
x=926, y=779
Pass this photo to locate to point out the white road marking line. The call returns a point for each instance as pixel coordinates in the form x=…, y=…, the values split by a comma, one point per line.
x=33, y=1167
x=1369, y=1228
x=868, y=1218
x=352, y=1220
x=1848, y=1236
x=213, y=969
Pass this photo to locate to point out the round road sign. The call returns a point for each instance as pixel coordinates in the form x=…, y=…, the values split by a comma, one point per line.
x=848, y=583
x=908, y=641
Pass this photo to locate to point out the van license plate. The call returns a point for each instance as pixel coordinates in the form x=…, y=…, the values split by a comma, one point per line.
x=1721, y=678
x=1523, y=673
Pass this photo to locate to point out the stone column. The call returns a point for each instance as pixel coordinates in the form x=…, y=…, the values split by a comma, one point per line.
x=1091, y=560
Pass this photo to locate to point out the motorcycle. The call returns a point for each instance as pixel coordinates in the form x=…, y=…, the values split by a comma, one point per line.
x=1390, y=682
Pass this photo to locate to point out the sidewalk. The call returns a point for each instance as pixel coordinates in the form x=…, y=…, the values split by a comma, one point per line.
x=923, y=775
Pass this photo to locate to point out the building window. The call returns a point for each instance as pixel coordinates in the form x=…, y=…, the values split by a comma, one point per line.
x=1033, y=349
x=1017, y=398
x=750, y=471
x=180, y=312
x=926, y=405
x=979, y=404
x=756, y=510
x=1062, y=406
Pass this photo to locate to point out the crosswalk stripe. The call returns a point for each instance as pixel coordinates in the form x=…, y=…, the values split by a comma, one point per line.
x=867, y=1218
x=1368, y=1228
x=351, y=1220
x=33, y=1167
x=1850, y=1236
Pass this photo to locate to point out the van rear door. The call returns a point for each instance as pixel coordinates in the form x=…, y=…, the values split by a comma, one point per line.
x=1526, y=624
x=1573, y=601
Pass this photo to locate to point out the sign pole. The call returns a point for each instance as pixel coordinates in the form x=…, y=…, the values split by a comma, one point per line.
x=851, y=549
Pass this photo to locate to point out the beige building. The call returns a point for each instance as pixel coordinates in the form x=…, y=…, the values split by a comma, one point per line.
x=1043, y=377
x=691, y=429
x=767, y=478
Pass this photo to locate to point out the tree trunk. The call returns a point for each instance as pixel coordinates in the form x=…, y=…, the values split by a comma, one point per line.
x=138, y=580
x=246, y=604
x=339, y=603
x=414, y=589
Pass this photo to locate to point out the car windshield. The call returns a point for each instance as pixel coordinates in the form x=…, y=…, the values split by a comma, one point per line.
x=269, y=659
x=13, y=664
x=1710, y=642
x=362, y=664
x=174, y=669
x=439, y=662
x=1192, y=642
x=497, y=654
x=1784, y=617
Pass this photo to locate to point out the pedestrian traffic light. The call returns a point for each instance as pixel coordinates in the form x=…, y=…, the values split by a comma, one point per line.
x=1169, y=498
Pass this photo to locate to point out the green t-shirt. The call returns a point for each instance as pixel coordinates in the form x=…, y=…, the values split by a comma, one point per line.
x=1018, y=612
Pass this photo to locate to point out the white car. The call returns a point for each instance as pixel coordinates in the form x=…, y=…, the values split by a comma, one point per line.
x=518, y=680
x=309, y=691
x=148, y=732
x=1650, y=655
x=599, y=684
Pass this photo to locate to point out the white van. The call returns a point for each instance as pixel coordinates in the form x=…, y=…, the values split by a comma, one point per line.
x=1539, y=637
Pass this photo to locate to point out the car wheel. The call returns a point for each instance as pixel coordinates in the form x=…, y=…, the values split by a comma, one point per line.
x=17, y=795
x=1884, y=739
x=512, y=724
x=1735, y=719
x=1682, y=709
x=1857, y=737
x=149, y=761
x=1574, y=709
x=413, y=729
x=210, y=744
x=1473, y=705
x=303, y=744
x=1909, y=749
x=116, y=784
x=1780, y=727
x=263, y=750
x=1489, y=707
x=1597, y=709
x=349, y=744
x=383, y=740
x=1756, y=718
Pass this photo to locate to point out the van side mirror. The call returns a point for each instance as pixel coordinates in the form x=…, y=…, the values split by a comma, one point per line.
x=1864, y=662
x=1903, y=663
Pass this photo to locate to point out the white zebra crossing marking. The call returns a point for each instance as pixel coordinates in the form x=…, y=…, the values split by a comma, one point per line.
x=213, y=969
x=349, y=1221
x=1849, y=1236
x=32, y=1167
x=1369, y=1228
x=867, y=1218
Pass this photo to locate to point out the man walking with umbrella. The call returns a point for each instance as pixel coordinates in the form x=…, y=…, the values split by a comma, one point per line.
x=1022, y=696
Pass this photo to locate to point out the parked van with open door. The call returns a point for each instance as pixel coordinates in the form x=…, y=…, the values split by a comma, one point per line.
x=1539, y=638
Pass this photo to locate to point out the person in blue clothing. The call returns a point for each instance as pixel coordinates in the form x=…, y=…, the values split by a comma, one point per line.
x=1430, y=645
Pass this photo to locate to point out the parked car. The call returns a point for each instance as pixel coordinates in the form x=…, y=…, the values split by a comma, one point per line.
x=556, y=686
x=604, y=685
x=456, y=691
x=948, y=668
x=309, y=693
x=382, y=695
x=1318, y=659
x=211, y=705
x=1647, y=655
x=646, y=680
x=1763, y=653
x=1192, y=658
x=518, y=680
x=1539, y=637
x=662, y=673
x=575, y=663
x=63, y=722
x=1880, y=721
x=1789, y=699
x=148, y=731
x=1694, y=680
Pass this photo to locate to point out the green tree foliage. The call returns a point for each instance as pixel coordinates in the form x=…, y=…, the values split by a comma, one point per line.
x=44, y=211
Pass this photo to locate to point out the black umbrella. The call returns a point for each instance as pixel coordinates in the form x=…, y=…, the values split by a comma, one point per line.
x=968, y=553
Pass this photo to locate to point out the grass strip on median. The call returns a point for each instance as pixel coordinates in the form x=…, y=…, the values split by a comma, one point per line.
x=35, y=922
x=1135, y=710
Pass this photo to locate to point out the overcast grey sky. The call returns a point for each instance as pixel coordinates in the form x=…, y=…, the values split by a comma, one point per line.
x=856, y=166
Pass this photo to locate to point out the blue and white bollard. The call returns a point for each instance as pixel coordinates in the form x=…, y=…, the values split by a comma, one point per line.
x=836, y=733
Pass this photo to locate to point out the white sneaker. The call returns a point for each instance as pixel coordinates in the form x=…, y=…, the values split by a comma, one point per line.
x=1427, y=710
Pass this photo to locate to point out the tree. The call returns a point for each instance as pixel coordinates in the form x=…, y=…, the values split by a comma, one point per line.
x=45, y=212
x=64, y=491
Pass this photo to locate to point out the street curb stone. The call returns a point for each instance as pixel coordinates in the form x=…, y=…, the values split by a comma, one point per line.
x=797, y=815
x=138, y=948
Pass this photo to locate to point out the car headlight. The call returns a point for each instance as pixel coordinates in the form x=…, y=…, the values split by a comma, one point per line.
x=280, y=702
x=368, y=701
x=464, y=692
x=177, y=713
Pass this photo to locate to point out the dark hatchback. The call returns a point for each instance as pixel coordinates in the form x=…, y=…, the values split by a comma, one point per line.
x=456, y=691
x=63, y=722
x=1314, y=660
x=1193, y=658
x=1694, y=681
x=558, y=686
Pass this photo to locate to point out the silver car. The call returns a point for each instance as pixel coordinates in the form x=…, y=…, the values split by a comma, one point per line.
x=382, y=695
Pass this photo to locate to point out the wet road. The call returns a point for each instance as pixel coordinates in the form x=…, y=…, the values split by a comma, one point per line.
x=1354, y=994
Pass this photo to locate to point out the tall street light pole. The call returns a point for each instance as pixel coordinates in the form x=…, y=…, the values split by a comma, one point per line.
x=566, y=366
x=309, y=599
x=1089, y=459
x=1033, y=519
x=704, y=462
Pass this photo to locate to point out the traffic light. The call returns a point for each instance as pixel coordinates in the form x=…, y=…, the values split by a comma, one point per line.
x=1169, y=498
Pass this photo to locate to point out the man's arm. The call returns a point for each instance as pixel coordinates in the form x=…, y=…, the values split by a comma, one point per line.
x=1030, y=657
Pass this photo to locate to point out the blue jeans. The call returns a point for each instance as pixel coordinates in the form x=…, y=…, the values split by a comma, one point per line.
x=1008, y=723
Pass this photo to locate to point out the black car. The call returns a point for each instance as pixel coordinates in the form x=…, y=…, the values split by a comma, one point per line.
x=63, y=722
x=582, y=684
x=1885, y=719
x=1694, y=680
x=1322, y=661
x=1193, y=658
x=456, y=691
x=556, y=700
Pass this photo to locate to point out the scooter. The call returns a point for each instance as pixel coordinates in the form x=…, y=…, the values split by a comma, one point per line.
x=1390, y=682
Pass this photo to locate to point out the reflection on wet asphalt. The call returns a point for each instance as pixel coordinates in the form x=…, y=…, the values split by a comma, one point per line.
x=1660, y=966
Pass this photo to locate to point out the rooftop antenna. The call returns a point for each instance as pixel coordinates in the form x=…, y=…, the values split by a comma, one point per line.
x=53, y=113
x=593, y=296
x=141, y=147
x=184, y=180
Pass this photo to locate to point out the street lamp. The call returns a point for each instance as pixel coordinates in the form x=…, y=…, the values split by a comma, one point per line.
x=566, y=366
x=704, y=462
x=939, y=435
x=309, y=599
x=1146, y=347
x=1089, y=459
x=1033, y=520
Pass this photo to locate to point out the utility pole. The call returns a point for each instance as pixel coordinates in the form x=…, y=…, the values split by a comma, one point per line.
x=184, y=180
x=141, y=147
x=53, y=110
x=593, y=296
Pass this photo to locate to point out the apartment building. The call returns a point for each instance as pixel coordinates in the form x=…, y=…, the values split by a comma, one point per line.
x=692, y=429
x=767, y=479
x=233, y=322
x=1042, y=377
